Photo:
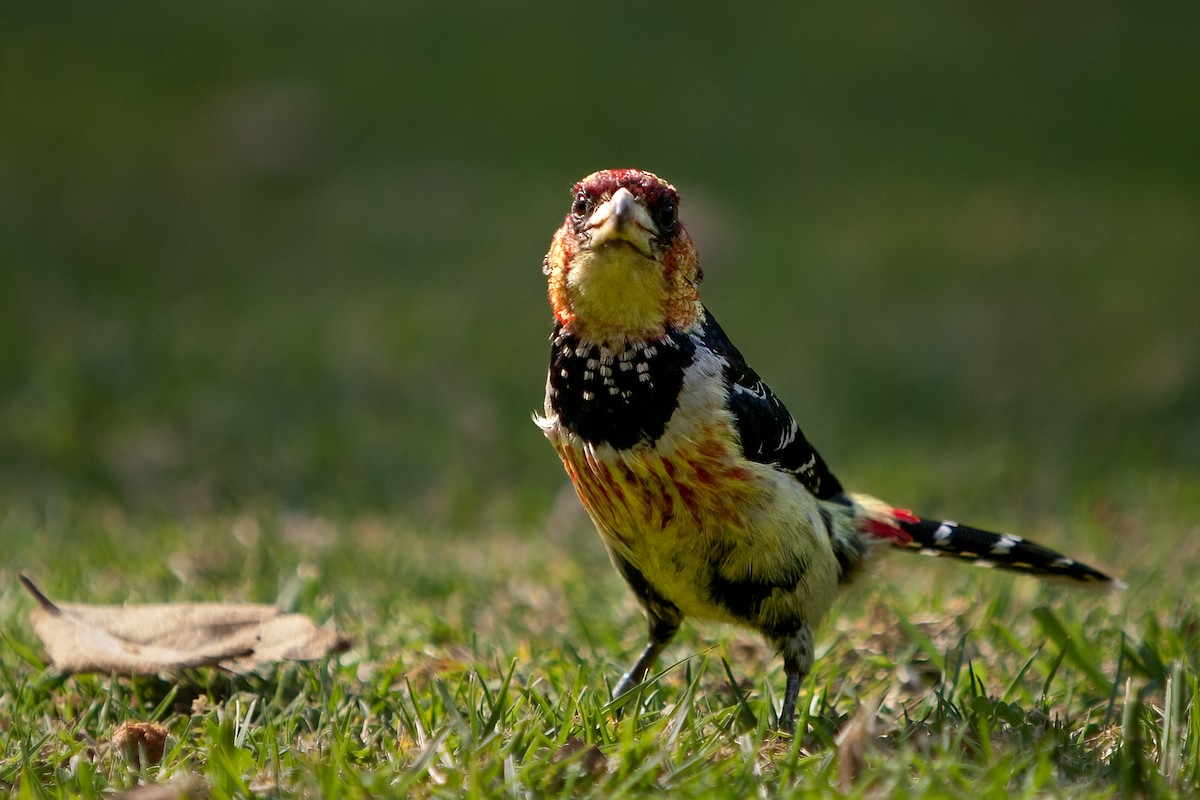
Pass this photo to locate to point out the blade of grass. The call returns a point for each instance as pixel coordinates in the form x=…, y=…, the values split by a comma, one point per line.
x=1085, y=659
x=921, y=640
x=745, y=715
x=1012, y=686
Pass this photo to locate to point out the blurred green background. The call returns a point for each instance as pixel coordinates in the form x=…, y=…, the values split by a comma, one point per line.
x=288, y=255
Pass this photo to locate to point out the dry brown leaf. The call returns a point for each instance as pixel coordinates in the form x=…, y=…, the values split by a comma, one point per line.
x=189, y=787
x=856, y=739
x=577, y=759
x=588, y=757
x=140, y=742
x=154, y=638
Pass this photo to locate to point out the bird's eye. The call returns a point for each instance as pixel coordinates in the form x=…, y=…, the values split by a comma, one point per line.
x=668, y=217
x=580, y=206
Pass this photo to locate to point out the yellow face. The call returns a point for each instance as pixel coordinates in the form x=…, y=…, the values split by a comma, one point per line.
x=622, y=268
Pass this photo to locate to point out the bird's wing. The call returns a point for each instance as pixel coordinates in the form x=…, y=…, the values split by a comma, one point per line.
x=769, y=434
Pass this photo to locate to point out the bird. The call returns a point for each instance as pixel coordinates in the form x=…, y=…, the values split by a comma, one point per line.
x=710, y=500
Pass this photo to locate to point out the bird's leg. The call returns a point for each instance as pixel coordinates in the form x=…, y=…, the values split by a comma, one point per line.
x=662, y=629
x=797, y=651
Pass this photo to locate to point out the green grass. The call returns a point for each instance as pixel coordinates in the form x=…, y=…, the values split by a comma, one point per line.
x=482, y=667
x=272, y=324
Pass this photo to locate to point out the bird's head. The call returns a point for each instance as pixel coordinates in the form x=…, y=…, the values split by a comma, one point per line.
x=622, y=268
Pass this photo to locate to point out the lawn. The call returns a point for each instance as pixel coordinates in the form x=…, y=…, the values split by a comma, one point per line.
x=272, y=326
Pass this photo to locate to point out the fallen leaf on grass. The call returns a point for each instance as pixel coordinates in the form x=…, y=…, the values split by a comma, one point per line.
x=140, y=742
x=189, y=787
x=154, y=638
x=854, y=742
x=577, y=760
x=588, y=757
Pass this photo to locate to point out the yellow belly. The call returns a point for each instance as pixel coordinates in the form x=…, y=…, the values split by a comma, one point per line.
x=681, y=514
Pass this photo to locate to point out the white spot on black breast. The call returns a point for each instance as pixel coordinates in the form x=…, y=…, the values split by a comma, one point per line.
x=603, y=405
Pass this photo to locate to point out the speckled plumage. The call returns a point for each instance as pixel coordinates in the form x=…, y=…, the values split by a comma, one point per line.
x=711, y=501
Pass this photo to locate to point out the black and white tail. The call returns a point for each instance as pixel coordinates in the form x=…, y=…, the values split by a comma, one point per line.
x=1000, y=550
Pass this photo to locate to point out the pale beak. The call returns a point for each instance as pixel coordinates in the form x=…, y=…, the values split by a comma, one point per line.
x=622, y=219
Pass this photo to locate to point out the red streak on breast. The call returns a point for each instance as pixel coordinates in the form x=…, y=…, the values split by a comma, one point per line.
x=701, y=488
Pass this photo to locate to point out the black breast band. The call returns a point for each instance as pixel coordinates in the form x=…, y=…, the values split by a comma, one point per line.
x=617, y=397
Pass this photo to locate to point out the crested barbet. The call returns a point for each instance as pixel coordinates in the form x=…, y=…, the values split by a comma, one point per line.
x=709, y=499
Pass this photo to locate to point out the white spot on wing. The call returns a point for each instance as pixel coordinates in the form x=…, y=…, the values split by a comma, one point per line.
x=807, y=465
x=789, y=435
x=758, y=390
